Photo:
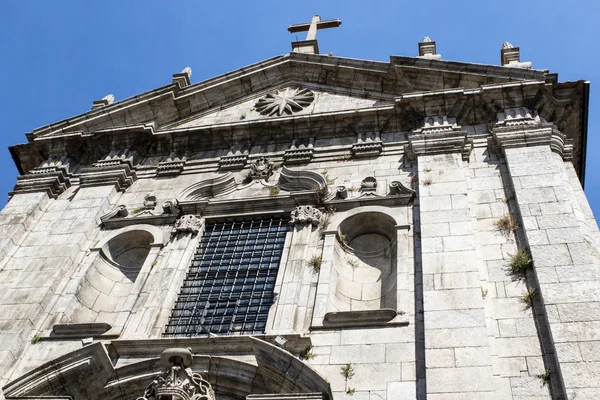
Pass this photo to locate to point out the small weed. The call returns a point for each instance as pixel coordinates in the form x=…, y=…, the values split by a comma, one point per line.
x=320, y=195
x=147, y=196
x=153, y=264
x=273, y=191
x=343, y=238
x=401, y=313
x=330, y=181
x=484, y=292
x=352, y=188
x=315, y=262
x=519, y=262
x=348, y=372
x=243, y=116
x=544, y=377
x=324, y=222
x=528, y=297
x=353, y=262
x=137, y=210
x=308, y=354
x=344, y=157
x=427, y=182
x=36, y=338
x=506, y=225
x=350, y=391
x=427, y=170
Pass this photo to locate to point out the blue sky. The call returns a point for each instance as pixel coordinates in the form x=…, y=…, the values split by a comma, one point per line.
x=59, y=56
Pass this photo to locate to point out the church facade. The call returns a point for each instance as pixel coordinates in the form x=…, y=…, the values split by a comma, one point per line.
x=308, y=227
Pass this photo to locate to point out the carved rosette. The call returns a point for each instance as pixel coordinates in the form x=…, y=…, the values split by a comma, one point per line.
x=178, y=381
x=284, y=102
x=305, y=215
x=261, y=169
x=187, y=223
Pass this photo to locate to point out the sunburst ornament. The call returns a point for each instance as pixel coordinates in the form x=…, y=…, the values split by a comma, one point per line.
x=284, y=101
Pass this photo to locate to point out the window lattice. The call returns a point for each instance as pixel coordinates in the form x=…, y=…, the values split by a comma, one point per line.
x=229, y=286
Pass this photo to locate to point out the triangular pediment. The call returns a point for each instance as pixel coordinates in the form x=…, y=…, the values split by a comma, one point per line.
x=286, y=100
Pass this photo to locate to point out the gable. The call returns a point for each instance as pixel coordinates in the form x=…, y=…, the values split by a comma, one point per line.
x=305, y=99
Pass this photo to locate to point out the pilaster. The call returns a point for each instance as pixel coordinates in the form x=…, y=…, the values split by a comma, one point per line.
x=565, y=262
x=457, y=354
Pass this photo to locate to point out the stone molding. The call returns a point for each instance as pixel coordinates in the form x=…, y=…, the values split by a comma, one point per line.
x=305, y=215
x=397, y=188
x=115, y=169
x=367, y=145
x=172, y=166
x=523, y=128
x=300, y=152
x=235, y=159
x=438, y=135
x=53, y=177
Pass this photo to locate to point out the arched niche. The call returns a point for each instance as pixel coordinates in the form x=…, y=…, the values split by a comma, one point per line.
x=366, y=268
x=113, y=280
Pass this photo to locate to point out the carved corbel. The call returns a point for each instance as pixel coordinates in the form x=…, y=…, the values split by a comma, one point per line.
x=368, y=144
x=305, y=215
x=187, y=224
x=173, y=165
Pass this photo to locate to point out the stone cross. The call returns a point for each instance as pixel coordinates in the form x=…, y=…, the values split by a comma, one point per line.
x=315, y=24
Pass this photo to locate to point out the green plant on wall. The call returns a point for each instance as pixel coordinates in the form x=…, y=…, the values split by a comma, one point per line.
x=519, y=262
x=347, y=372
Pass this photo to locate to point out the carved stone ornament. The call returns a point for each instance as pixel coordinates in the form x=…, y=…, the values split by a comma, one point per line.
x=284, y=101
x=149, y=202
x=178, y=381
x=118, y=212
x=396, y=187
x=261, y=169
x=517, y=117
x=187, y=223
x=305, y=215
x=171, y=207
x=368, y=144
x=369, y=184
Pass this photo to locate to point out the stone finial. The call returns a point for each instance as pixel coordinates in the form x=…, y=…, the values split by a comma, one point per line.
x=188, y=71
x=105, y=101
x=183, y=78
x=510, y=56
x=427, y=49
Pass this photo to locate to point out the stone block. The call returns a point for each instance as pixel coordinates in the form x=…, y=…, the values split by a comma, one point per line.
x=440, y=358
x=454, y=319
x=458, y=243
x=358, y=354
x=456, y=337
x=453, y=299
x=459, y=380
x=472, y=356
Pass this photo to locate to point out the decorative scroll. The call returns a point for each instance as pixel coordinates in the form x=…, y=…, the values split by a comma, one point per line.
x=178, y=381
x=171, y=207
x=118, y=212
x=187, y=223
x=305, y=215
x=293, y=181
x=209, y=188
x=396, y=187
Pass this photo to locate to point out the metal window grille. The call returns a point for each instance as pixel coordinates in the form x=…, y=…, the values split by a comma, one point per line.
x=229, y=287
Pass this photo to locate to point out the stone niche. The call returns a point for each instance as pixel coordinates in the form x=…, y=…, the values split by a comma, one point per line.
x=360, y=276
x=112, y=282
x=364, y=263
